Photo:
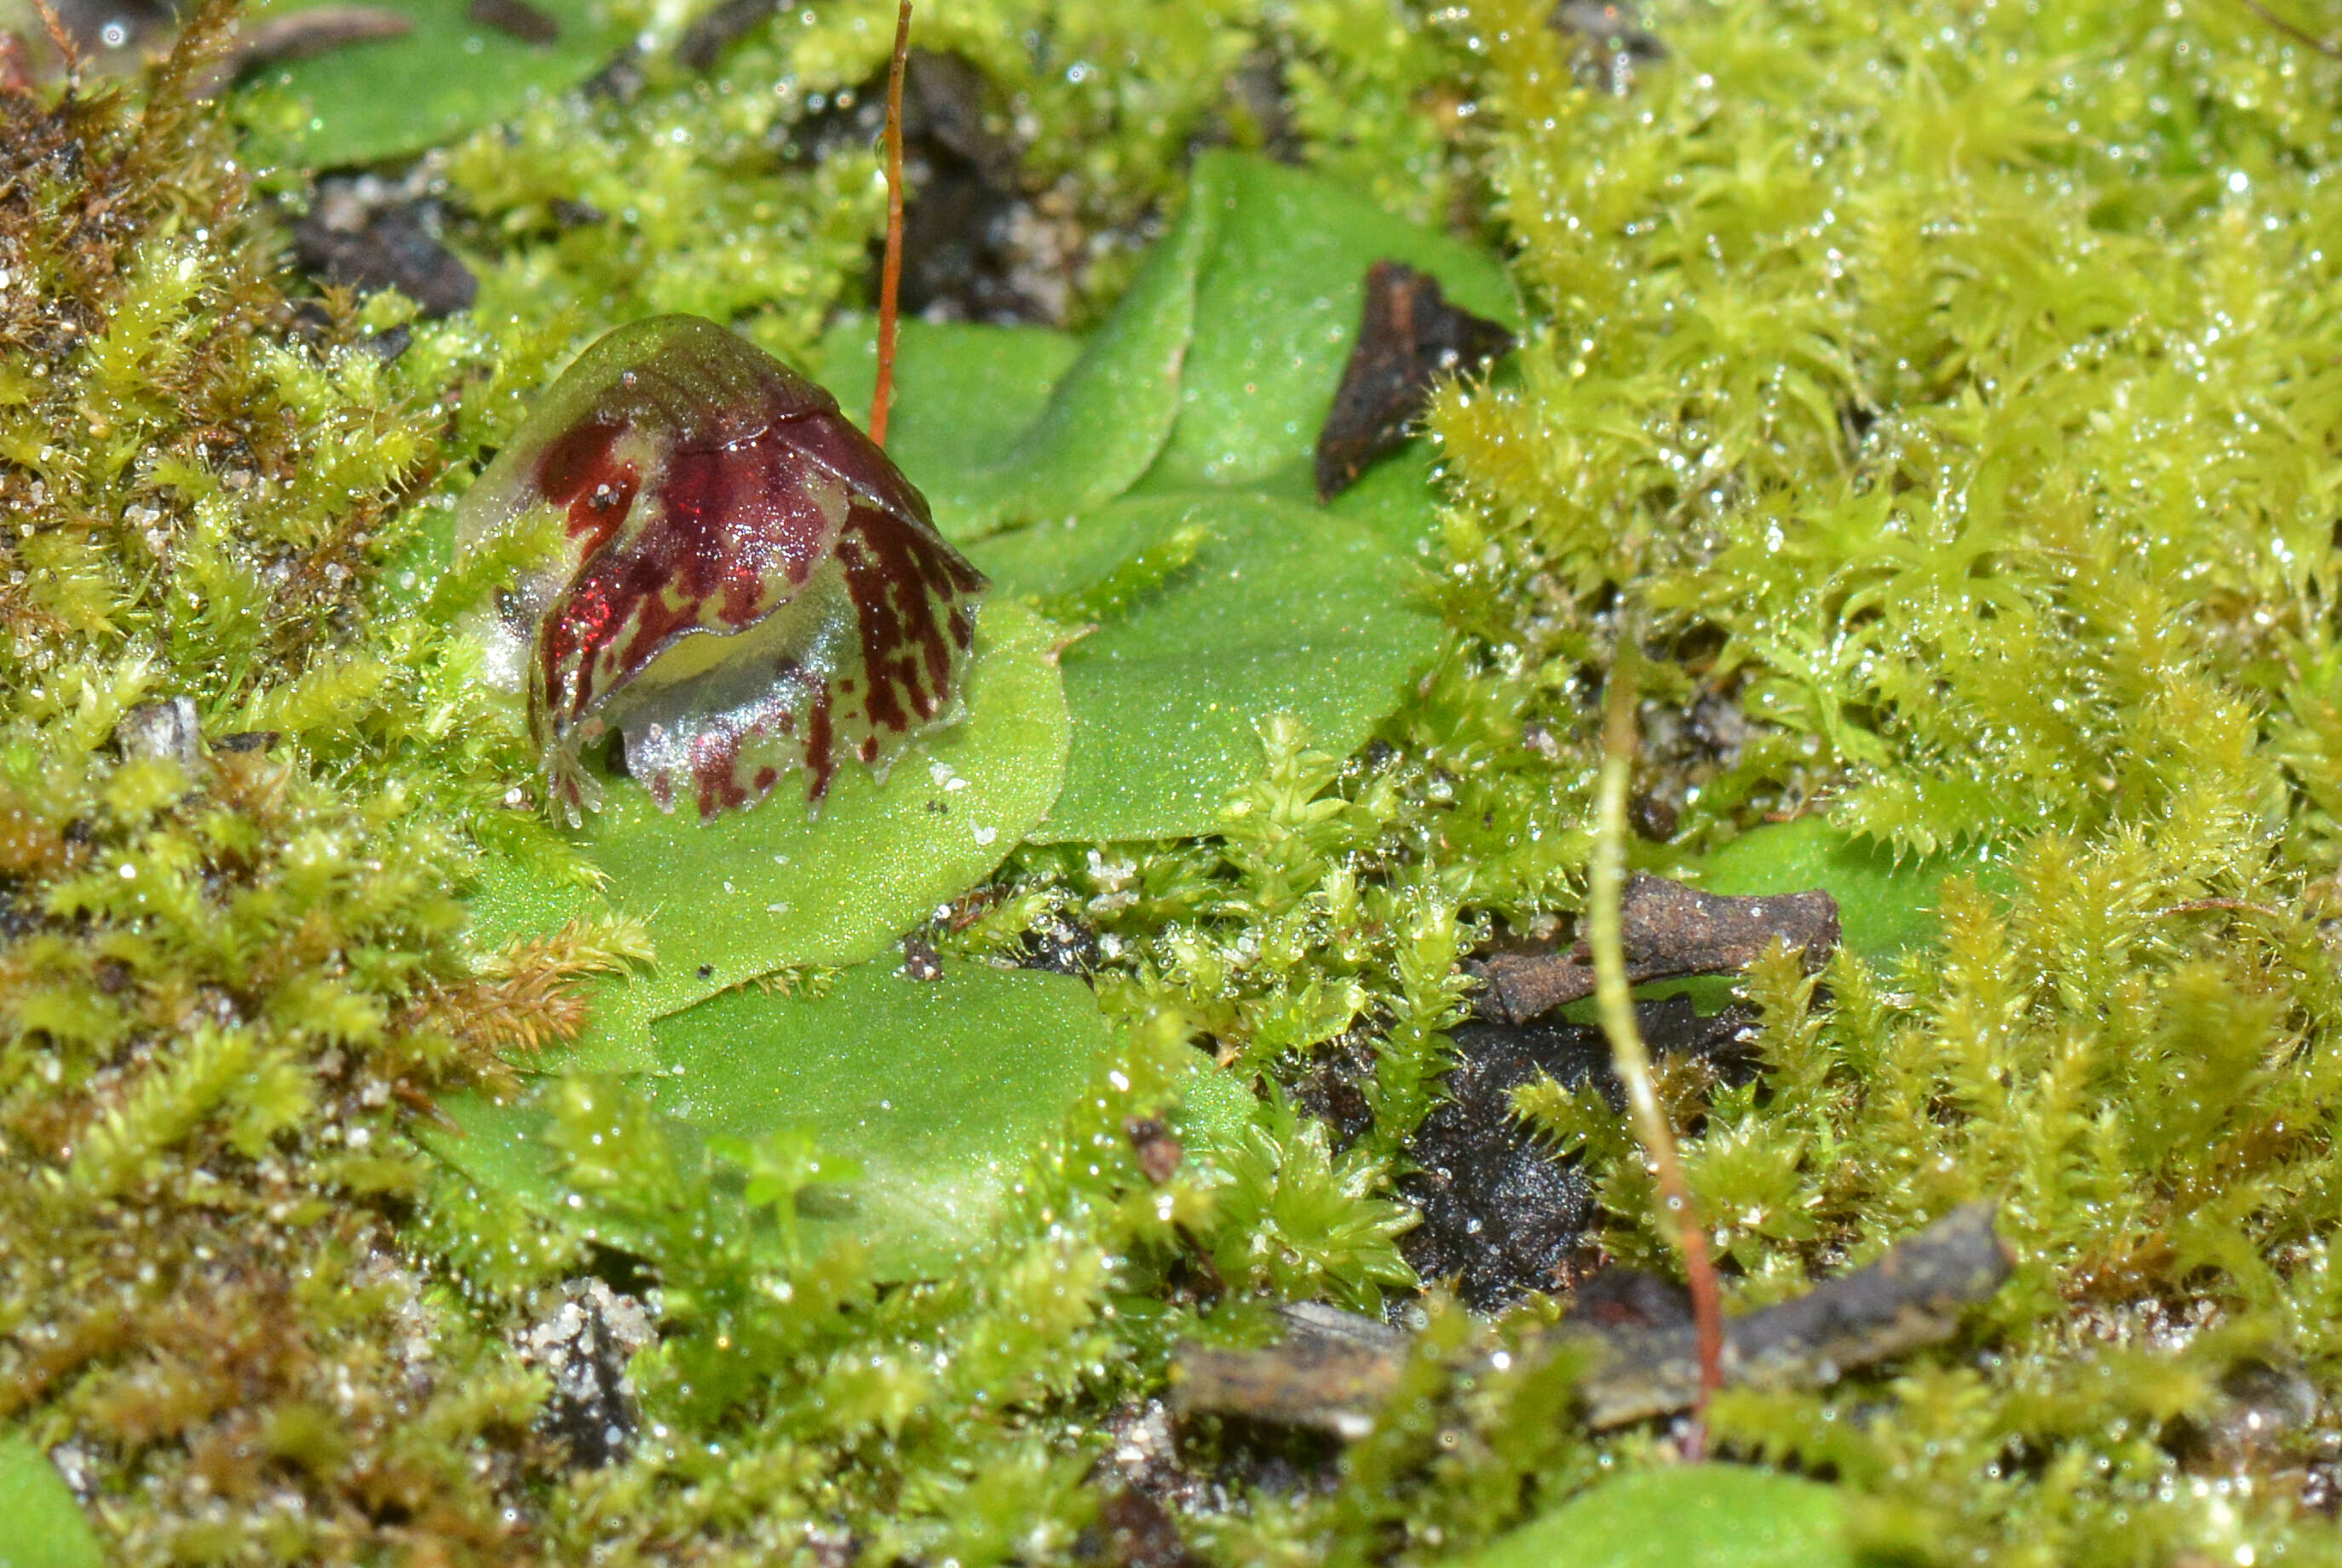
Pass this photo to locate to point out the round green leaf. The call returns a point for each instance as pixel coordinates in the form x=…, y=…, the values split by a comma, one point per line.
x=1687, y=1516
x=1283, y=609
x=364, y=102
x=776, y=885
x=45, y=1528
x=940, y=1089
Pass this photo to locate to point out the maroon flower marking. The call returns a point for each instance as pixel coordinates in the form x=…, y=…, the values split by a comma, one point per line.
x=709, y=492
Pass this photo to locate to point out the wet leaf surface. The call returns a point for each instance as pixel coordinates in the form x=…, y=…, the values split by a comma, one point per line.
x=1283, y=610
x=451, y=74
x=775, y=887
x=1711, y=1515
x=1111, y=412
x=938, y=1090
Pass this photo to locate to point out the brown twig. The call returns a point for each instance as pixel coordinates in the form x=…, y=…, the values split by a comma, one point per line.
x=1667, y=930
x=890, y=273
x=1334, y=1370
x=1615, y=994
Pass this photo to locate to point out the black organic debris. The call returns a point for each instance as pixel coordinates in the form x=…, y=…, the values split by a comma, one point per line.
x=583, y=1346
x=966, y=224
x=355, y=236
x=1503, y=1215
x=1134, y=1532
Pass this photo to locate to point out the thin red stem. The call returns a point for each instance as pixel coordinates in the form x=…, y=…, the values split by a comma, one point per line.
x=890, y=272
x=1628, y=1057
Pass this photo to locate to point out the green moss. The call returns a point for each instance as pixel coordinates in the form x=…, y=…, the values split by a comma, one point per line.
x=1949, y=392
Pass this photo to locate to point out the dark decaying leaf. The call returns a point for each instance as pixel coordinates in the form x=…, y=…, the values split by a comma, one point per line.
x=1409, y=337
x=517, y=19
x=705, y=41
x=305, y=35
x=347, y=239
x=1669, y=931
x=1334, y=1370
x=1502, y=1214
x=1159, y=1152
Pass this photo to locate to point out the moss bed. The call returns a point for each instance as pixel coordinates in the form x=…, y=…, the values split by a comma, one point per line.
x=1938, y=403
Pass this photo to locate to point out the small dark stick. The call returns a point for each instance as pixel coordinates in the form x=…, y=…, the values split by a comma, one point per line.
x=890, y=273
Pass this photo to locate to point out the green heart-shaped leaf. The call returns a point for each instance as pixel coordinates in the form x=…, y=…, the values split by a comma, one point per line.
x=1685, y=1516
x=361, y=103
x=1099, y=428
x=938, y=1091
x=775, y=887
x=1283, y=608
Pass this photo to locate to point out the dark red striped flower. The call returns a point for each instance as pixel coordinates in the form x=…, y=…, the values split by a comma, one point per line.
x=746, y=584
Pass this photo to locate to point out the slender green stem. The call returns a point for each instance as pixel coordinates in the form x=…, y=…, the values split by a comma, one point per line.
x=1629, y=1060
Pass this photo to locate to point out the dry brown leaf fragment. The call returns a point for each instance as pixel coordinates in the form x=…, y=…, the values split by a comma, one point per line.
x=1409, y=336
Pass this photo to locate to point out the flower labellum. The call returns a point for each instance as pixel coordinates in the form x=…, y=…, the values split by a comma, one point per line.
x=746, y=584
